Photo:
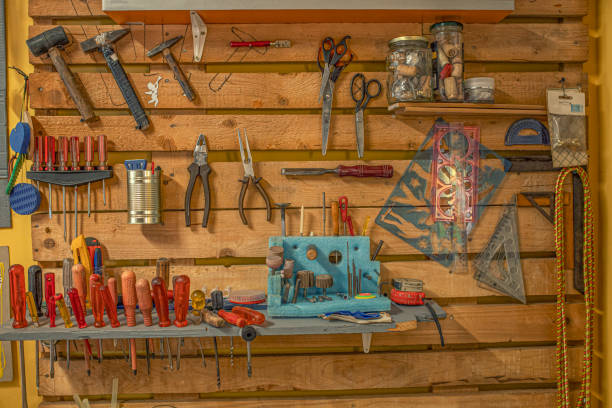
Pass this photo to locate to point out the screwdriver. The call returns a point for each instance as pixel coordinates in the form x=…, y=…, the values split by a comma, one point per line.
x=334, y=215
x=50, y=297
x=109, y=305
x=160, y=295
x=39, y=157
x=75, y=300
x=75, y=155
x=248, y=333
x=78, y=280
x=162, y=270
x=145, y=303
x=18, y=296
x=102, y=162
x=198, y=302
x=35, y=286
x=343, y=205
x=61, y=306
x=128, y=288
x=67, y=265
x=360, y=170
x=97, y=307
x=181, y=307
x=62, y=143
x=89, y=156
x=81, y=255
x=32, y=308
x=50, y=161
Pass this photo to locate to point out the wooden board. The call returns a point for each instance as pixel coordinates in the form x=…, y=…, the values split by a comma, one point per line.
x=465, y=326
x=538, y=275
x=492, y=366
x=226, y=236
x=172, y=132
x=225, y=188
x=544, y=398
x=262, y=90
x=483, y=42
x=93, y=8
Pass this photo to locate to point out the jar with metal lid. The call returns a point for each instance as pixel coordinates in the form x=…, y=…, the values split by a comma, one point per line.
x=448, y=59
x=480, y=90
x=409, y=70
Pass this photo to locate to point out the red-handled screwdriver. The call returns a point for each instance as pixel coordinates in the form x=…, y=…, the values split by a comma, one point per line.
x=63, y=160
x=50, y=161
x=251, y=316
x=89, y=157
x=75, y=156
x=109, y=305
x=75, y=301
x=273, y=44
x=50, y=297
x=181, y=300
x=128, y=288
x=160, y=295
x=360, y=170
x=18, y=297
x=145, y=302
x=97, y=307
x=102, y=162
x=343, y=204
x=78, y=281
x=232, y=318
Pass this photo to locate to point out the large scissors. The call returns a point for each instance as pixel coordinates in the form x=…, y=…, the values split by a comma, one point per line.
x=328, y=94
x=360, y=92
x=332, y=53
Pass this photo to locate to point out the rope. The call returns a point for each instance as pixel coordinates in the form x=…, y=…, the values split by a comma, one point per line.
x=563, y=390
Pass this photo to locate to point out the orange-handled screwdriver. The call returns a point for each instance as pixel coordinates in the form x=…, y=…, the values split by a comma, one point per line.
x=232, y=318
x=78, y=282
x=145, y=302
x=251, y=316
x=128, y=288
x=97, y=303
x=160, y=295
x=112, y=287
x=18, y=296
x=181, y=300
x=109, y=305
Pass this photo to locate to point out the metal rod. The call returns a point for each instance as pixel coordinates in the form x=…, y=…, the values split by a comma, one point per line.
x=76, y=225
x=324, y=219
x=24, y=395
x=50, y=200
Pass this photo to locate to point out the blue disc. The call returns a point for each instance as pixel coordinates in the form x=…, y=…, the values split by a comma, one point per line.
x=20, y=138
x=24, y=199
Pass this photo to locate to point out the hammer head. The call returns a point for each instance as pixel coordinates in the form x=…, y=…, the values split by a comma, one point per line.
x=163, y=46
x=105, y=38
x=55, y=37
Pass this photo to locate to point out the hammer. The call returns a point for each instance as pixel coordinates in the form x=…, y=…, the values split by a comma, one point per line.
x=102, y=42
x=50, y=42
x=164, y=48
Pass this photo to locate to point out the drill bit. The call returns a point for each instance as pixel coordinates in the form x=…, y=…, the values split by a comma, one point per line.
x=202, y=352
x=178, y=354
x=51, y=359
x=68, y=354
x=324, y=220
x=36, y=361
x=24, y=395
x=169, y=353
x=232, y=351
x=148, y=357
x=64, y=210
x=217, y=363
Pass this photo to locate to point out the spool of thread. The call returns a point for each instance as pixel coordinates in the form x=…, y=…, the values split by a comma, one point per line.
x=144, y=196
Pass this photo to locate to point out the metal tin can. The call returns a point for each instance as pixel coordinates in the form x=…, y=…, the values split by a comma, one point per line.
x=409, y=68
x=480, y=90
x=144, y=196
x=448, y=50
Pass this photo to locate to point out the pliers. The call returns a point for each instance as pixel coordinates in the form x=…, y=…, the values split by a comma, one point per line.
x=199, y=167
x=249, y=175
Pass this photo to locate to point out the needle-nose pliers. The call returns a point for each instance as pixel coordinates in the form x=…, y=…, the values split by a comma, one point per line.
x=200, y=168
x=249, y=175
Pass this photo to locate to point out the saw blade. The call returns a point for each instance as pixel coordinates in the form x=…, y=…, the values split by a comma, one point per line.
x=499, y=264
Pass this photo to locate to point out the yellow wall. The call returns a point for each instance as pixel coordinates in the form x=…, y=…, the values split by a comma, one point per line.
x=18, y=238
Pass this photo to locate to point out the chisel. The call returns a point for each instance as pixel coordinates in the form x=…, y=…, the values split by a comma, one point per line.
x=360, y=170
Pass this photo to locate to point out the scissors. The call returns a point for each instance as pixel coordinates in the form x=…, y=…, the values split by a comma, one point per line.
x=332, y=53
x=328, y=93
x=360, y=92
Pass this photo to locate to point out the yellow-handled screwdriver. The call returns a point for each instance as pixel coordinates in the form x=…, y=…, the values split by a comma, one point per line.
x=32, y=308
x=61, y=305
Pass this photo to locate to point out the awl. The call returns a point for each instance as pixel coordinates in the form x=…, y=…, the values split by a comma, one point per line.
x=360, y=170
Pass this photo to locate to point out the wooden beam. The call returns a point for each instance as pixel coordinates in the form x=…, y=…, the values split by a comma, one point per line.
x=169, y=132
x=483, y=42
x=538, y=275
x=227, y=236
x=263, y=90
x=492, y=366
x=225, y=189
x=93, y=8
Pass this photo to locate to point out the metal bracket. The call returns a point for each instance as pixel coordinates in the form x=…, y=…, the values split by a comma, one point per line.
x=531, y=197
x=199, y=30
x=366, y=340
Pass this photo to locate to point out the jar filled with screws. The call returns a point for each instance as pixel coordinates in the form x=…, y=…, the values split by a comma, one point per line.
x=448, y=58
x=409, y=70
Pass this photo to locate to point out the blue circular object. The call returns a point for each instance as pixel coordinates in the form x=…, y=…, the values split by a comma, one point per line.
x=24, y=199
x=20, y=138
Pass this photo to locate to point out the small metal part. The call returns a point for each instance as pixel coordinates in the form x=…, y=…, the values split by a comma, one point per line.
x=68, y=354
x=36, y=362
x=22, y=375
x=248, y=334
x=178, y=354
x=148, y=356
x=202, y=351
x=324, y=215
x=169, y=354
x=283, y=208
x=217, y=363
x=199, y=31
x=377, y=250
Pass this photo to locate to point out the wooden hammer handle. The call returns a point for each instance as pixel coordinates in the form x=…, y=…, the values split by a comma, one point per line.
x=74, y=88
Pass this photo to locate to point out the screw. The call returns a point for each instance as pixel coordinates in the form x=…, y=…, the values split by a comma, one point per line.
x=283, y=207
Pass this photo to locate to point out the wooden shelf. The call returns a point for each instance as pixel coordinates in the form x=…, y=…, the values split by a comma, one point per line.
x=472, y=109
x=313, y=11
x=272, y=327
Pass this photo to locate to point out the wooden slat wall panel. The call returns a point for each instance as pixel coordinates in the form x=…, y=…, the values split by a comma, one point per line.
x=225, y=188
x=538, y=274
x=264, y=90
x=531, y=8
x=493, y=366
x=483, y=42
x=226, y=236
x=273, y=132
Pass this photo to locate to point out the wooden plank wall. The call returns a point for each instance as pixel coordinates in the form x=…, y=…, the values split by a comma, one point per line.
x=498, y=353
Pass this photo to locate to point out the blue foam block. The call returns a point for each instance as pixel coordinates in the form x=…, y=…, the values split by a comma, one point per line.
x=359, y=251
x=20, y=138
x=24, y=199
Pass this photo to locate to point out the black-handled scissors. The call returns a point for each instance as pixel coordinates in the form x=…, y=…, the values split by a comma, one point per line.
x=361, y=94
x=332, y=53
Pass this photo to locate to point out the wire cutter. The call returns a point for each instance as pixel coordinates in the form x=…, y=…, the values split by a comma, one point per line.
x=199, y=167
x=249, y=175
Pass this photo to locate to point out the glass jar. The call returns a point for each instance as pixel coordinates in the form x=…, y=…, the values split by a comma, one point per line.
x=448, y=58
x=480, y=90
x=409, y=70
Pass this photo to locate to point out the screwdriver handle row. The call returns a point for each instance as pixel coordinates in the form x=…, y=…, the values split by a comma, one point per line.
x=47, y=149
